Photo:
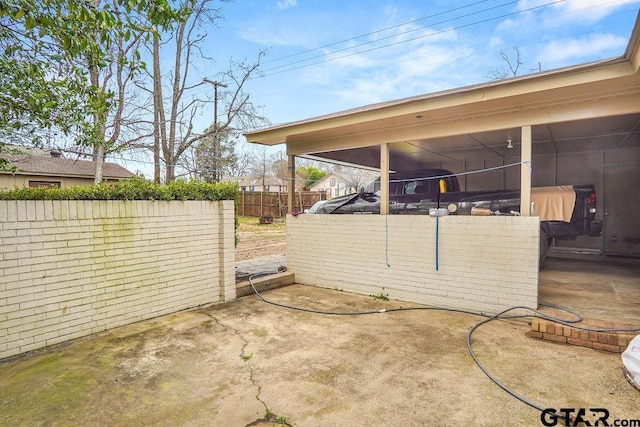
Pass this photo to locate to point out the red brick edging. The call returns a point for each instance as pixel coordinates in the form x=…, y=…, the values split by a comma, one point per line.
x=607, y=341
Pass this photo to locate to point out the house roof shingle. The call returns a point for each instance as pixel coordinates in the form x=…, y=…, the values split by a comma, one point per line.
x=56, y=166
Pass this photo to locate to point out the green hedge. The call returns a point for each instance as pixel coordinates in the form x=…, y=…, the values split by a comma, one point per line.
x=130, y=189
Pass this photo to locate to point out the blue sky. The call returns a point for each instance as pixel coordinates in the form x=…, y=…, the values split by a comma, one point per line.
x=327, y=56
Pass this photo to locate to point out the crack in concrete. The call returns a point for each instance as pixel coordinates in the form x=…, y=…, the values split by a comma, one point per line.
x=269, y=417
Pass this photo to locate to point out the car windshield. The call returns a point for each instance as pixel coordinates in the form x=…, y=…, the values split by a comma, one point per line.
x=416, y=187
x=316, y=205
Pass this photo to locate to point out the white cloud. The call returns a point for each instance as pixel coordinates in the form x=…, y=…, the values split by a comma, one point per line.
x=420, y=62
x=407, y=60
x=282, y=36
x=556, y=29
x=296, y=28
x=560, y=52
x=494, y=42
x=286, y=4
x=573, y=12
x=592, y=8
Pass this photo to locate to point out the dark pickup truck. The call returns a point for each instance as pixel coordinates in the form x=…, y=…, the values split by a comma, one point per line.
x=565, y=212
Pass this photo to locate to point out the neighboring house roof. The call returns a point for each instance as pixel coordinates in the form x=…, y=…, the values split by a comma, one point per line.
x=56, y=166
x=256, y=180
x=320, y=182
x=327, y=177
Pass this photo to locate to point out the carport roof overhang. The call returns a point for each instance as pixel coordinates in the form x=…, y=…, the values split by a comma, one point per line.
x=444, y=125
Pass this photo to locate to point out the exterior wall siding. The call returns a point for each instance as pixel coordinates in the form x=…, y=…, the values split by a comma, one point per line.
x=484, y=263
x=73, y=268
x=9, y=181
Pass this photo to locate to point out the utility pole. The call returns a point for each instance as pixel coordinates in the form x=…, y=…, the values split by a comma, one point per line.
x=216, y=143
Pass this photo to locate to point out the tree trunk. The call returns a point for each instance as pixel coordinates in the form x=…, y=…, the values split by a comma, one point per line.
x=99, y=119
x=156, y=146
x=170, y=172
x=158, y=108
x=99, y=159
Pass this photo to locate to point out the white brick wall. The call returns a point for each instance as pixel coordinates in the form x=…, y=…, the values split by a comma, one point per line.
x=73, y=268
x=484, y=263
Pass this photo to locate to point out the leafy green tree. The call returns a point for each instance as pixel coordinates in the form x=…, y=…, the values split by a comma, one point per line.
x=51, y=54
x=215, y=158
x=310, y=174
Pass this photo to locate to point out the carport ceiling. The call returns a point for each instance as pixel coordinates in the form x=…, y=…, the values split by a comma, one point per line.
x=600, y=133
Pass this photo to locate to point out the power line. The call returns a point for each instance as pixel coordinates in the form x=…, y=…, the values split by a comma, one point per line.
x=582, y=10
x=291, y=65
x=423, y=36
x=371, y=33
x=431, y=34
x=377, y=40
x=375, y=32
x=383, y=38
x=401, y=34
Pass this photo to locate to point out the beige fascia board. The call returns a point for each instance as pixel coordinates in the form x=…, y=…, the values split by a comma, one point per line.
x=635, y=60
x=406, y=109
x=632, y=53
x=511, y=88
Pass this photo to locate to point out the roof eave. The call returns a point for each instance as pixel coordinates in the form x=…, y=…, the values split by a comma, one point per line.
x=503, y=88
x=632, y=53
x=61, y=175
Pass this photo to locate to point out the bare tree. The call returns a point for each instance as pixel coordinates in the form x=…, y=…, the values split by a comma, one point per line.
x=512, y=65
x=172, y=129
x=240, y=167
x=260, y=163
x=280, y=168
x=173, y=115
x=212, y=161
x=354, y=177
x=116, y=78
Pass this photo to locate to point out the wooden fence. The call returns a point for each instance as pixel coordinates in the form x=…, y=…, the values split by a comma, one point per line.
x=261, y=204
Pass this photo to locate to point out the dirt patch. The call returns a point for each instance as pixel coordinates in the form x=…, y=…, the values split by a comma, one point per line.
x=256, y=240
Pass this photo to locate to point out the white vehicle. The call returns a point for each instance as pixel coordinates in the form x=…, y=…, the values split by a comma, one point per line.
x=313, y=209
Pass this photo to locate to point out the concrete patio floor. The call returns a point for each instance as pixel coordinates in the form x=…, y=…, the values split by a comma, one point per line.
x=597, y=287
x=249, y=363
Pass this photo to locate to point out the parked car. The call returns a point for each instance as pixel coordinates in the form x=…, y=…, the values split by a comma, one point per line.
x=314, y=209
x=418, y=192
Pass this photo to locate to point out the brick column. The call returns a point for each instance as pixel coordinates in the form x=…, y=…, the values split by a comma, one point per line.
x=227, y=261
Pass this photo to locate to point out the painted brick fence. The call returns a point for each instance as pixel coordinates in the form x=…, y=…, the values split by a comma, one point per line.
x=72, y=268
x=483, y=263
